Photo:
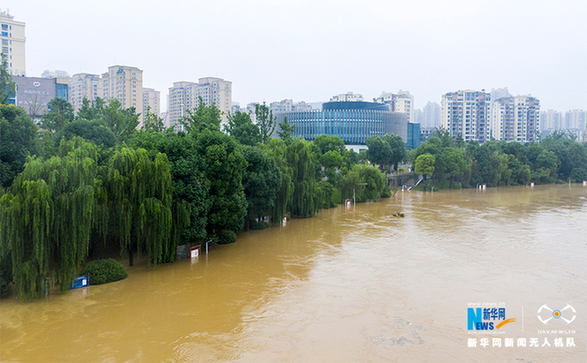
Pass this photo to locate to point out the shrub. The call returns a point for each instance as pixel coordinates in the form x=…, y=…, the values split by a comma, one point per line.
x=253, y=224
x=226, y=236
x=104, y=271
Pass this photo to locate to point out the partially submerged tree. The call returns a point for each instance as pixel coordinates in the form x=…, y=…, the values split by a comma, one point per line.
x=140, y=204
x=47, y=216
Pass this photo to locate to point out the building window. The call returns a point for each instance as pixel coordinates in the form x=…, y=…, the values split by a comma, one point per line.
x=4, y=34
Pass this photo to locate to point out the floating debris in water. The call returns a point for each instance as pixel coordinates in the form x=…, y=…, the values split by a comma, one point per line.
x=398, y=214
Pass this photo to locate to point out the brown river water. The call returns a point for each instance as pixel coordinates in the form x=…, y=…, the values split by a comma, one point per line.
x=349, y=285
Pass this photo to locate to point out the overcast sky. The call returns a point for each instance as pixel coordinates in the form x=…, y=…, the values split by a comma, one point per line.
x=310, y=50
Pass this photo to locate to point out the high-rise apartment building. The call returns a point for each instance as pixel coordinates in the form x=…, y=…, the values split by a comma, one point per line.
x=516, y=119
x=551, y=120
x=13, y=44
x=185, y=96
x=54, y=74
x=575, y=119
x=288, y=105
x=467, y=113
x=126, y=85
x=431, y=115
x=402, y=102
x=347, y=97
x=84, y=85
x=151, y=101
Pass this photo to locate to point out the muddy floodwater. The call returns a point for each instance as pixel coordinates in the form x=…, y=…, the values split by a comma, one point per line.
x=349, y=285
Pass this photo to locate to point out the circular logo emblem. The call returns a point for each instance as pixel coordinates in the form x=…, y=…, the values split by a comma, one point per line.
x=36, y=84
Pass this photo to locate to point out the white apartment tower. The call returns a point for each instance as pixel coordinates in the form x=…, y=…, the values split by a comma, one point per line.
x=83, y=85
x=13, y=44
x=467, y=113
x=151, y=101
x=185, y=96
x=516, y=119
x=347, y=97
x=125, y=84
x=402, y=102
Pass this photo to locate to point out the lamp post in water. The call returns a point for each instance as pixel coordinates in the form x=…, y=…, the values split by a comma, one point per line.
x=354, y=200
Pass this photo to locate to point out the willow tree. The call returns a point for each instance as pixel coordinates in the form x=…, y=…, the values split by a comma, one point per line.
x=303, y=160
x=47, y=216
x=277, y=149
x=140, y=204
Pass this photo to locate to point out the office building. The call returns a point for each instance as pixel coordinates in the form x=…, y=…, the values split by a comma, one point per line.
x=352, y=121
x=516, y=119
x=413, y=138
x=13, y=44
x=34, y=94
x=467, y=113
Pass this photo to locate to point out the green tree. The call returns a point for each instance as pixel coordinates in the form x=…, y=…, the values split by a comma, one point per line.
x=577, y=156
x=122, y=122
x=304, y=163
x=261, y=181
x=91, y=110
x=202, y=118
x=153, y=122
x=191, y=188
x=331, y=162
x=425, y=166
x=225, y=165
x=47, y=217
x=379, y=152
x=7, y=84
x=242, y=128
x=375, y=182
x=285, y=131
x=545, y=167
x=456, y=164
x=59, y=115
x=277, y=149
x=265, y=121
x=18, y=139
x=328, y=143
x=139, y=201
x=93, y=131
x=398, y=148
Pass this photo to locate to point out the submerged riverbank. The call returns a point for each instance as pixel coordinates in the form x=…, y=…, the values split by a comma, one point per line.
x=347, y=285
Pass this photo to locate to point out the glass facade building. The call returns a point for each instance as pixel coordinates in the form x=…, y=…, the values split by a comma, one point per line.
x=353, y=122
x=413, y=136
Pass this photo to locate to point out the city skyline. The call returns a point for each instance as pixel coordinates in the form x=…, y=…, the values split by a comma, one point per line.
x=310, y=51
